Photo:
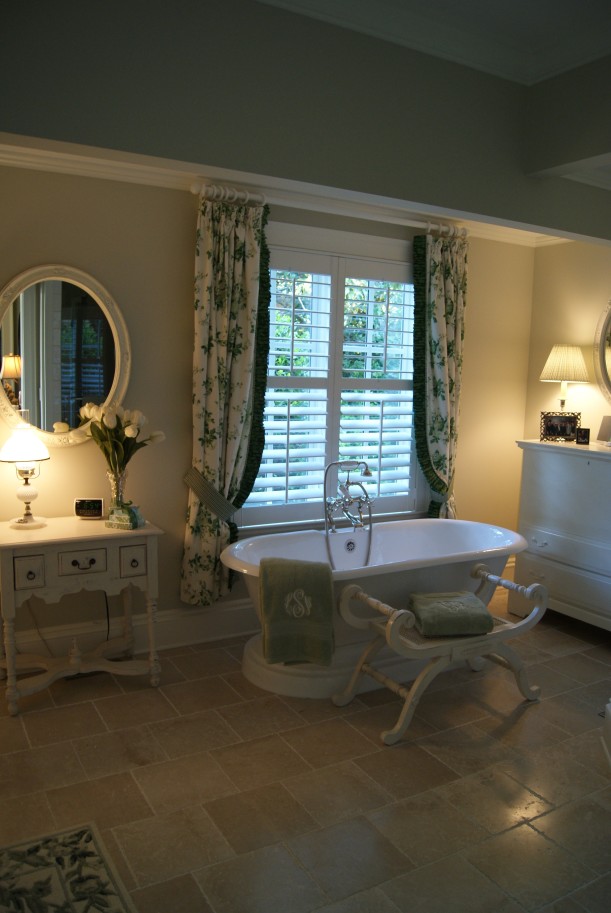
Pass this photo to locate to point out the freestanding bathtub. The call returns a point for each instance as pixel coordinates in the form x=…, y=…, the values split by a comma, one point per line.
x=407, y=556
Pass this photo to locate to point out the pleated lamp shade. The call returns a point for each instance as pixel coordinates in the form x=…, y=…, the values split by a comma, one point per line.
x=565, y=364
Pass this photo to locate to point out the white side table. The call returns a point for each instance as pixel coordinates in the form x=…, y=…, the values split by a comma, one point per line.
x=66, y=556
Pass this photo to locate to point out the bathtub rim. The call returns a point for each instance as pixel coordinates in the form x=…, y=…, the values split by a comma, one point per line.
x=230, y=556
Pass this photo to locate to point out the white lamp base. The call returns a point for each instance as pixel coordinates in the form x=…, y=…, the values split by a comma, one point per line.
x=33, y=523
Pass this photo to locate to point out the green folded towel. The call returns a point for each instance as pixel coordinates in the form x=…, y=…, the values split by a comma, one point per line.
x=450, y=614
x=296, y=600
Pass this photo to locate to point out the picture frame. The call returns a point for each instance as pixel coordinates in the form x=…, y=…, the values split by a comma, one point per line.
x=582, y=436
x=559, y=426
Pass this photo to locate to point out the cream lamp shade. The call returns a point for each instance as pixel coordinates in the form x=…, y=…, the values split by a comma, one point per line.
x=565, y=365
x=11, y=367
x=25, y=450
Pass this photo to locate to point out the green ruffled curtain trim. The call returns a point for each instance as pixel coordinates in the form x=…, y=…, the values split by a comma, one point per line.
x=257, y=431
x=420, y=356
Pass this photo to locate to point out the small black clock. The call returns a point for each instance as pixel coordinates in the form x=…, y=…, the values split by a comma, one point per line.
x=89, y=508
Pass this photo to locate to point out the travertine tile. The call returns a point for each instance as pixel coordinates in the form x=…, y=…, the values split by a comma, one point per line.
x=201, y=694
x=405, y=770
x=259, y=762
x=204, y=663
x=348, y=857
x=165, y=846
x=328, y=742
x=583, y=828
x=371, y=901
x=133, y=709
x=113, y=752
x=57, y=724
x=25, y=817
x=183, y=782
x=37, y=769
x=449, y=885
x=259, y=717
x=107, y=801
x=12, y=734
x=494, y=800
x=426, y=827
x=582, y=668
x=528, y=867
x=338, y=792
x=259, y=817
x=468, y=749
x=180, y=895
x=193, y=733
x=554, y=775
x=263, y=881
x=199, y=817
x=373, y=721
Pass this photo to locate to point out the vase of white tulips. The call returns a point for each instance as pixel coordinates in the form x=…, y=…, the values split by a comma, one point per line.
x=118, y=434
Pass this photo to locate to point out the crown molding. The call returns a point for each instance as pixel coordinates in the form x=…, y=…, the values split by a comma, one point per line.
x=107, y=164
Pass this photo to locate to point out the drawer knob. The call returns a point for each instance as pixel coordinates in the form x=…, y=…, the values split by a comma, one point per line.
x=134, y=562
x=538, y=543
x=85, y=566
x=31, y=575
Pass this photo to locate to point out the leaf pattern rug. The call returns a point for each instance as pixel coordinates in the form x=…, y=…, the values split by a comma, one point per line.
x=63, y=873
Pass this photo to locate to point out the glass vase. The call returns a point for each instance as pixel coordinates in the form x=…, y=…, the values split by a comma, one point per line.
x=117, y=487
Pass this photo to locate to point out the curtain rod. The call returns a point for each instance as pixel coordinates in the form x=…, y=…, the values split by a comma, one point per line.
x=219, y=193
x=453, y=230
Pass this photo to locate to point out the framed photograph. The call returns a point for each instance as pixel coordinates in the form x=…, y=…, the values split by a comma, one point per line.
x=583, y=436
x=560, y=426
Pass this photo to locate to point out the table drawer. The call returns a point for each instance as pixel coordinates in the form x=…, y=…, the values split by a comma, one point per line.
x=80, y=562
x=29, y=572
x=133, y=561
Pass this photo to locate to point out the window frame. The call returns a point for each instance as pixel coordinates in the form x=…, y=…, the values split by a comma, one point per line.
x=306, y=246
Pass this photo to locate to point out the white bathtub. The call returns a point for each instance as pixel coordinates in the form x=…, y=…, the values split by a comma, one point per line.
x=406, y=556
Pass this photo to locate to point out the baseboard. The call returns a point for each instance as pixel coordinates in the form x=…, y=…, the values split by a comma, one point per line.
x=173, y=628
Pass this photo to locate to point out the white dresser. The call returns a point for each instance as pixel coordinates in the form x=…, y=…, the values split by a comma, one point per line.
x=69, y=555
x=565, y=516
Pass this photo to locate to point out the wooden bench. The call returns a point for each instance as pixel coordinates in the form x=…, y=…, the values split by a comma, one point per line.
x=395, y=627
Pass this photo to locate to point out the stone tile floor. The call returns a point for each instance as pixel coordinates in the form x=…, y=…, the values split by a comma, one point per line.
x=213, y=795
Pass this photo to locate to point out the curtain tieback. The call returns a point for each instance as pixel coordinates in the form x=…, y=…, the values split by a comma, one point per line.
x=209, y=496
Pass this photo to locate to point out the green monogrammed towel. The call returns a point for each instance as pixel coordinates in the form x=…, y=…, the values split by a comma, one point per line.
x=296, y=600
x=450, y=614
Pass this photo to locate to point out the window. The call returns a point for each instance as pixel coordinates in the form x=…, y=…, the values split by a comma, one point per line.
x=340, y=380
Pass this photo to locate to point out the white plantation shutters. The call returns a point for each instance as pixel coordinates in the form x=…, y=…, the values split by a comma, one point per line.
x=339, y=383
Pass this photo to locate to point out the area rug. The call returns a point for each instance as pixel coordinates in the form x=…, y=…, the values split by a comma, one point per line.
x=63, y=873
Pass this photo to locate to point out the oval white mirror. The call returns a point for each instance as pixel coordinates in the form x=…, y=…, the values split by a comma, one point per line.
x=602, y=352
x=63, y=342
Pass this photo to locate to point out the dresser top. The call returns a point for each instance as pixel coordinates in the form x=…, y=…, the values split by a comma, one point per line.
x=597, y=450
x=67, y=529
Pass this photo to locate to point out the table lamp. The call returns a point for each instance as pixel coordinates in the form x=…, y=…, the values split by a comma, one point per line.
x=565, y=365
x=25, y=449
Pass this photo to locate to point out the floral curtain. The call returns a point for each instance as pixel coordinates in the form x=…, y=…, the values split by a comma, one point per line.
x=440, y=283
x=229, y=377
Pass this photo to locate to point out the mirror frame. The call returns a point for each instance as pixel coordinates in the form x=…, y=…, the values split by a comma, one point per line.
x=104, y=300
x=600, y=359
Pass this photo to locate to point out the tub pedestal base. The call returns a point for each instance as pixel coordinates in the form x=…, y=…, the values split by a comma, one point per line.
x=309, y=680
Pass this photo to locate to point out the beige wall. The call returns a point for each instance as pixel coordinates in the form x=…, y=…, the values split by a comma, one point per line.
x=494, y=381
x=572, y=287
x=138, y=242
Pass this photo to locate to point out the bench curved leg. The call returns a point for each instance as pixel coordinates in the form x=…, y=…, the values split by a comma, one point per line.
x=421, y=683
x=345, y=696
x=511, y=660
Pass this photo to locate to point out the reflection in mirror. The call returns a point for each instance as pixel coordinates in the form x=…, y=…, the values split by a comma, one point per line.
x=602, y=352
x=67, y=350
x=63, y=343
